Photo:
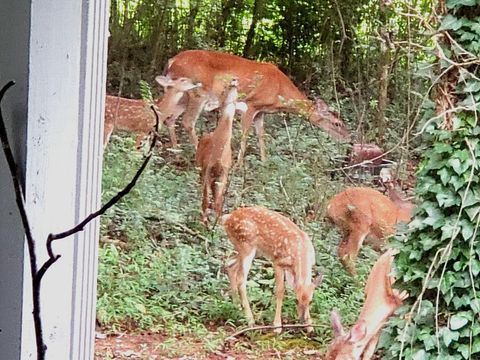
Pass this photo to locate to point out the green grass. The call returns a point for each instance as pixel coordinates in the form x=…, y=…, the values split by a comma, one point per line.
x=161, y=270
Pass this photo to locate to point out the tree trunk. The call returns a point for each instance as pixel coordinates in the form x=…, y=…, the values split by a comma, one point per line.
x=189, y=40
x=383, y=74
x=222, y=23
x=256, y=15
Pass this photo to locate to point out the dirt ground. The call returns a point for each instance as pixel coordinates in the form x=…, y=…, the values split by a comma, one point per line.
x=157, y=347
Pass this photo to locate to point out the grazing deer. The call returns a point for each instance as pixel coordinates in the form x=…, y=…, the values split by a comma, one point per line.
x=364, y=213
x=265, y=88
x=253, y=229
x=135, y=116
x=381, y=301
x=214, y=153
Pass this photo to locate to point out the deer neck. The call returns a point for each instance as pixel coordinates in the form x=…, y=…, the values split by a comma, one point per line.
x=375, y=313
x=299, y=104
x=404, y=207
x=223, y=132
x=304, y=264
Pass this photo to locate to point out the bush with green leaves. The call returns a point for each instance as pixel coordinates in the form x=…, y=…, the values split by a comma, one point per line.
x=439, y=257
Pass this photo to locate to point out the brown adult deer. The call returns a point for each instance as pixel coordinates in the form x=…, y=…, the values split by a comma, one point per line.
x=135, y=116
x=214, y=152
x=253, y=229
x=381, y=301
x=364, y=213
x=265, y=88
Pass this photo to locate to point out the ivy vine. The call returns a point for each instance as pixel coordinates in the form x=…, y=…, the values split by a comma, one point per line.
x=439, y=254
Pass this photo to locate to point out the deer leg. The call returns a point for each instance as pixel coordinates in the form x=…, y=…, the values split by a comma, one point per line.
x=370, y=348
x=246, y=122
x=206, y=197
x=195, y=106
x=220, y=187
x=232, y=268
x=279, y=293
x=138, y=141
x=244, y=264
x=349, y=248
x=107, y=132
x=259, y=129
x=170, y=122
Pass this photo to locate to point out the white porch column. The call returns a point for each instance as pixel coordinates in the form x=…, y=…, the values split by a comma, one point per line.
x=56, y=52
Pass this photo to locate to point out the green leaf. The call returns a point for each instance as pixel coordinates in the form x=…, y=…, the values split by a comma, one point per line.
x=475, y=305
x=457, y=322
x=448, y=336
x=450, y=22
x=444, y=175
x=472, y=86
x=442, y=148
x=446, y=199
x=475, y=264
x=420, y=355
x=456, y=165
x=464, y=350
x=467, y=230
x=455, y=4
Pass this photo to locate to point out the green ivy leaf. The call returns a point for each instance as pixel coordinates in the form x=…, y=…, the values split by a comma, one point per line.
x=475, y=305
x=451, y=22
x=455, y=4
x=444, y=175
x=475, y=264
x=456, y=165
x=442, y=148
x=420, y=355
x=467, y=230
x=457, y=322
x=446, y=199
x=448, y=336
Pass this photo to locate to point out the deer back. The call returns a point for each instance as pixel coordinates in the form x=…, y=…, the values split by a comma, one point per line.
x=128, y=114
x=362, y=206
x=273, y=235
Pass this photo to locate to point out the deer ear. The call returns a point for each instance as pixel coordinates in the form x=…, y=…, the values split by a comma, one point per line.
x=336, y=324
x=163, y=80
x=193, y=86
x=358, y=331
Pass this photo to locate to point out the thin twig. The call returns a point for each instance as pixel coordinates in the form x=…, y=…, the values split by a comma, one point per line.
x=115, y=199
x=20, y=200
x=269, y=327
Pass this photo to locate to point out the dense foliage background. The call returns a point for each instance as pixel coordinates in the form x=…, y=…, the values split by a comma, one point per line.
x=359, y=54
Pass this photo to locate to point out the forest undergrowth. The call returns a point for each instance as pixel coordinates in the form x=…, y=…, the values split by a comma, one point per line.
x=162, y=271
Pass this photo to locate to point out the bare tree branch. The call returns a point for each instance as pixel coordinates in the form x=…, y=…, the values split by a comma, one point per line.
x=37, y=275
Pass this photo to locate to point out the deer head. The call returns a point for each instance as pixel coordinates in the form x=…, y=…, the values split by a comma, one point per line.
x=329, y=121
x=172, y=104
